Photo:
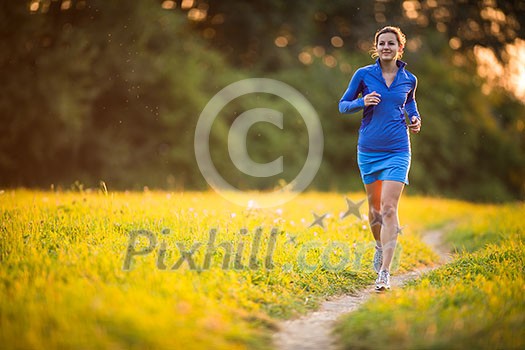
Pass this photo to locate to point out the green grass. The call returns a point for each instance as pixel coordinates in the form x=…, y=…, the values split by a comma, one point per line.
x=487, y=224
x=62, y=283
x=476, y=301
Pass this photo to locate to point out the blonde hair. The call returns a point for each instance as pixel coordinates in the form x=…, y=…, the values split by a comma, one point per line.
x=401, y=39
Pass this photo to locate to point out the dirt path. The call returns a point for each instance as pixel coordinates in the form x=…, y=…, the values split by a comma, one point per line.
x=313, y=331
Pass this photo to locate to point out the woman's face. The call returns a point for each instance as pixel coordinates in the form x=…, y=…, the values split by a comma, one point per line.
x=387, y=46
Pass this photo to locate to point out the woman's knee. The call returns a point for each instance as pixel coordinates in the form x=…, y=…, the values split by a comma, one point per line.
x=388, y=209
x=374, y=215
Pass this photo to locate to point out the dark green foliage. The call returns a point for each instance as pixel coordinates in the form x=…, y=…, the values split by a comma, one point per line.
x=112, y=90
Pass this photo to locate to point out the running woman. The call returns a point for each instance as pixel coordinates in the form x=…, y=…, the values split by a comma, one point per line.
x=385, y=91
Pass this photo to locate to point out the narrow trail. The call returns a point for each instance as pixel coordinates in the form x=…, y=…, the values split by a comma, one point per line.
x=313, y=331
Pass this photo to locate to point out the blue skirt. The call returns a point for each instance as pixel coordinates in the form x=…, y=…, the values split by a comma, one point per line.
x=393, y=166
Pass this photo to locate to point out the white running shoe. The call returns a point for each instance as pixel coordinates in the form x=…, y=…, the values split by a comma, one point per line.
x=383, y=280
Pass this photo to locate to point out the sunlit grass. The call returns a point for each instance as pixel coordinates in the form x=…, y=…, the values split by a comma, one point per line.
x=62, y=282
x=473, y=302
x=488, y=224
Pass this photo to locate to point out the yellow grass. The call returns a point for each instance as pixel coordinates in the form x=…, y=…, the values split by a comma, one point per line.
x=64, y=282
x=474, y=302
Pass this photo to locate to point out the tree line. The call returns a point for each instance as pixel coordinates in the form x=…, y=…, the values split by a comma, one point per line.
x=111, y=90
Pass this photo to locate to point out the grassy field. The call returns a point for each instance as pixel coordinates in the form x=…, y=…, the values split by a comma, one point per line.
x=474, y=302
x=91, y=269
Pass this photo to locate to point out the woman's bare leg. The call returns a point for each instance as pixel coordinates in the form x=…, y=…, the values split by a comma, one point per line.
x=373, y=192
x=390, y=194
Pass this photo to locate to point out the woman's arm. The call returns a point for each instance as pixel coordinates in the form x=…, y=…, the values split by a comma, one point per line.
x=411, y=105
x=411, y=110
x=350, y=103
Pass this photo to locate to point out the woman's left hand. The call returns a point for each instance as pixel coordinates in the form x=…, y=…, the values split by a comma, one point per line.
x=415, y=127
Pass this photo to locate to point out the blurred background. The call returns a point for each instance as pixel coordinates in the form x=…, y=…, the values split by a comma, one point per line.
x=111, y=91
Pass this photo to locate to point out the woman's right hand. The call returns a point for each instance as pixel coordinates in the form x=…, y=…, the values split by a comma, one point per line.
x=372, y=99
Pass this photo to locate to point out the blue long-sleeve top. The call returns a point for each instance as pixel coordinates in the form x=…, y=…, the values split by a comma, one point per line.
x=384, y=126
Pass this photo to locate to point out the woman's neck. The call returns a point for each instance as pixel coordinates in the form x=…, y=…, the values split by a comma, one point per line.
x=388, y=66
